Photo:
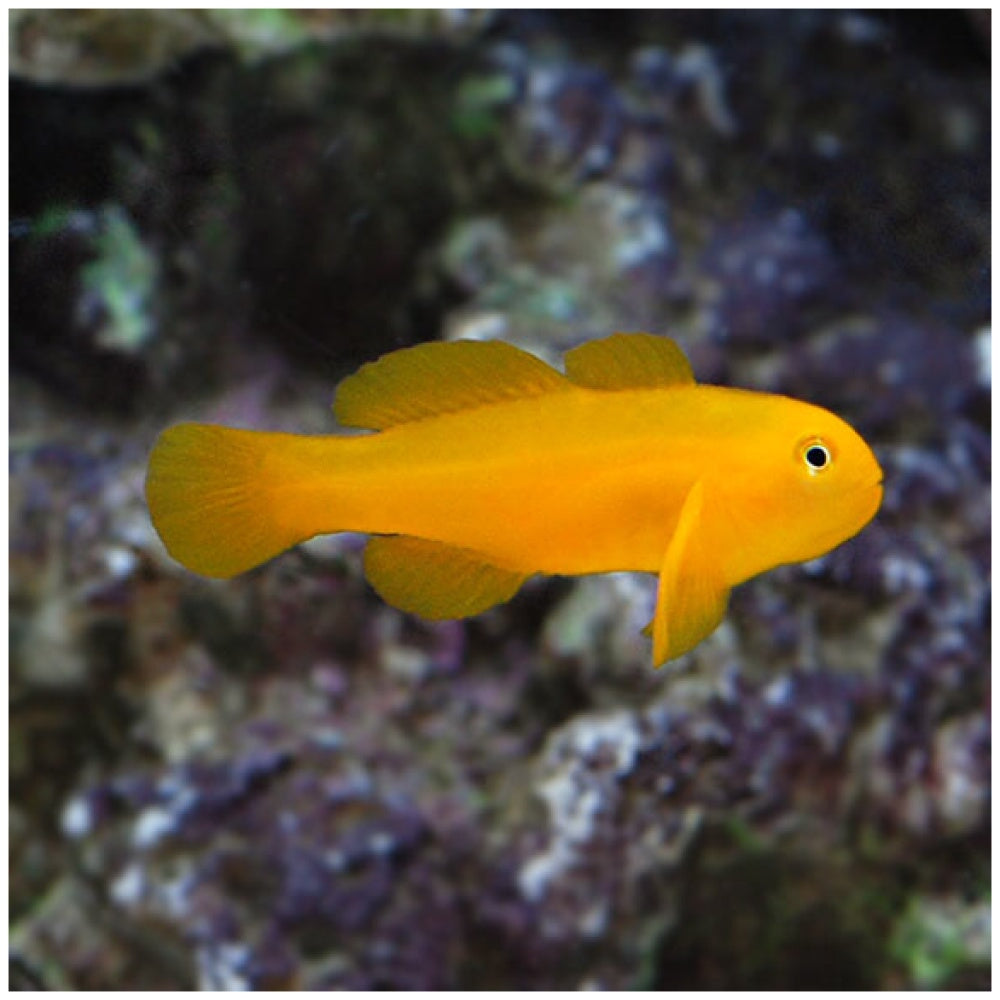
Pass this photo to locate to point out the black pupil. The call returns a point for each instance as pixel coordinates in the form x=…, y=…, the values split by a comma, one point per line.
x=816, y=457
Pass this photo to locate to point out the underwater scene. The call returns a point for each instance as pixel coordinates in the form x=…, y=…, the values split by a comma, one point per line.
x=499, y=500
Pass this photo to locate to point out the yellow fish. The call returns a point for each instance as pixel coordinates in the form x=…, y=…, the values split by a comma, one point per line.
x=489, y=466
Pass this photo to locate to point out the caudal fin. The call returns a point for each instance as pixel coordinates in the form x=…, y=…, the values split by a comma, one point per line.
x=221, y=499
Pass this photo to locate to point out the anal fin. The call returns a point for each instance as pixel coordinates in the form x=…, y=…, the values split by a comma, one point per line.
x=434, y=580
x=692, y=597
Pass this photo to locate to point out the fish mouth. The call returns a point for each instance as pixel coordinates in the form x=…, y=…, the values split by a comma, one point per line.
x=878, y=495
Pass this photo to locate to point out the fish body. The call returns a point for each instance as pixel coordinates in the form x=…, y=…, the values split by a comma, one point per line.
x=487, y=466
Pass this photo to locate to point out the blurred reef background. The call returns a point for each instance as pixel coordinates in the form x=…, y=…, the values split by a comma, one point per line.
x=278, y=781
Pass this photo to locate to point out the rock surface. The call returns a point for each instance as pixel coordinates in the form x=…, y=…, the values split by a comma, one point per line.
x=278, y=781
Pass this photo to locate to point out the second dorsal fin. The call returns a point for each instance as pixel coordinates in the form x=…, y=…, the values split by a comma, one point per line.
x=440, y=377
x=628, y=361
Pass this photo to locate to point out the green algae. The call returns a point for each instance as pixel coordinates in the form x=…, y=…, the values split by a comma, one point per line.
x=936, y=941
x=122, y=280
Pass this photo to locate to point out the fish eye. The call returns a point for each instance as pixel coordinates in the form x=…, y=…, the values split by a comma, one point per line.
x=816, y=455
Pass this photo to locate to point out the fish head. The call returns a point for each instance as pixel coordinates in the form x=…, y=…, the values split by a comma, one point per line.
x=797, y=481
x=829, y=483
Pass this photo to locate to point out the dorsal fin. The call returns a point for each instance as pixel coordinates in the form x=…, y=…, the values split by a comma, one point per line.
x=628, y=361
x=439, y=377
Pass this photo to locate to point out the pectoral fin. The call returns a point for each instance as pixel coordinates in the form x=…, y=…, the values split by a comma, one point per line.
x=692, y=596
x=434, y=580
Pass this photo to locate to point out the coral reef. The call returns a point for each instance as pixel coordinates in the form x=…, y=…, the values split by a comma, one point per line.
x=278, y=781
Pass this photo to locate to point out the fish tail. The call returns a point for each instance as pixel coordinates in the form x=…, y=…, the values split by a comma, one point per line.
x=226, y=500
